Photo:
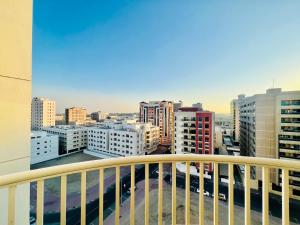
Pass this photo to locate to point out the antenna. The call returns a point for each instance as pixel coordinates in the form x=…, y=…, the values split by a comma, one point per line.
x=273, y=83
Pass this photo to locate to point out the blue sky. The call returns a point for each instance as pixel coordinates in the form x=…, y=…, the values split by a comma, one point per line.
x=109, y=55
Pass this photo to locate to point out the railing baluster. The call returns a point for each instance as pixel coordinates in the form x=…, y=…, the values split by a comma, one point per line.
x=216, y=194
x=247, y=195
x=146, y=194
x=101, y=192
x=187, y=194
x=201, y=194
x=117, y=210
x=174, y=216
x=285, y=197
x=11, y=205
x=40, y=202
x=83, y=198
x=231, y=195
x=160, y=194
x=132, y=196
x=63, y=199
x=266, y=181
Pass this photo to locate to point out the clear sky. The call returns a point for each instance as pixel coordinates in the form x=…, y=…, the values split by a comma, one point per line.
x=109, y=55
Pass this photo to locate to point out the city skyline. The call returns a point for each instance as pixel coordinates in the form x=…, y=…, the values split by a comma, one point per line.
x=111, y=55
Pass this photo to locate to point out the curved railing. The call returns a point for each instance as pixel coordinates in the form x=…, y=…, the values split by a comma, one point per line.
x=40, y=175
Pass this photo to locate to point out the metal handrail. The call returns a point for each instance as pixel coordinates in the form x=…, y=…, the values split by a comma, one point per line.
x=55, y=171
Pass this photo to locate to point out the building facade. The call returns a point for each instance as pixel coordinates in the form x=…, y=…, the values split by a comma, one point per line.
x=288, y=134
x=269, y=127
x=75, y=115
x=235, y=117
x=15, y=100
x=194, y=132
x=122, y=139
x=159, y=114
x=44, y=147
x=71, y=138
x=42, y=113
x=98, y=116
x=177, y=105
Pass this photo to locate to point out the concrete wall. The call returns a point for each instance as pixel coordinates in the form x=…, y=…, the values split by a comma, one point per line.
x=15, y=97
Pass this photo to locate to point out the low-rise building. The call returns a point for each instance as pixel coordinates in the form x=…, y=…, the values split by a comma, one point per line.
x=99, y=116
x=44, y=146
x=71, y=138
x=122, y=139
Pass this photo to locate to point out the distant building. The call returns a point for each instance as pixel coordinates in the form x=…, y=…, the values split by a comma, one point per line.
x=159, y=113
x=44, y=146
x=98, y=116
x=194, y=132
x=122, y=139
x=71, y=138
x=75, y=115
x=269, y=127
x=235, y=117
x=177, y=105
x=60, y=119
x=198, y=105
x=42, y=113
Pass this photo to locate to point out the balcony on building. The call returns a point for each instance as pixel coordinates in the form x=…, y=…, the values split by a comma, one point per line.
x=143, y=168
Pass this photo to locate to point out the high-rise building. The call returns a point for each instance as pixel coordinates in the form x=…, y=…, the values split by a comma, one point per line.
x=42, y=113
x=75, y=115
x=235, y=117
x=269, y=127
x=15, y=98
x=194, y=132
x=159, y=113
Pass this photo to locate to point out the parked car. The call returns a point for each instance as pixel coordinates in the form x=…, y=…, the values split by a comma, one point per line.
x=206, y=193
x=221, y=197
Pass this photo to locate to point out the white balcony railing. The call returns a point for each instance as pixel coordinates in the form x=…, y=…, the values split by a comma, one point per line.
x=40, y=175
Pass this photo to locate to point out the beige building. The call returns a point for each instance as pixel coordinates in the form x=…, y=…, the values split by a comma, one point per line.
x=15, y=97
x=42, y=113
x=270, y=127
x=235, y=117
x=75, y=115
x=161, y=114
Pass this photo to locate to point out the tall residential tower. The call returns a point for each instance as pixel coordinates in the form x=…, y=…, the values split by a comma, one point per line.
x=159, y=113
x=42, y=113
x=270, y=127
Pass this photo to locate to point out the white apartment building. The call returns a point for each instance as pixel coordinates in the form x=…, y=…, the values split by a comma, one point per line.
x=194, y=132
x=71, y=138
x=44, y=146
x=42, y=113
x=122, y=139
x=235, y=117
x=270, y=127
